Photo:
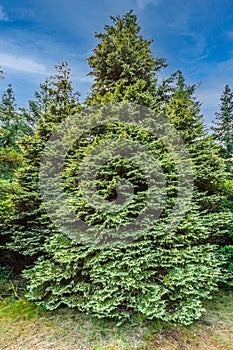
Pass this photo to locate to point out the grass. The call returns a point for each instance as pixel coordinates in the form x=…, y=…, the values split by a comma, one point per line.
x=25, y=326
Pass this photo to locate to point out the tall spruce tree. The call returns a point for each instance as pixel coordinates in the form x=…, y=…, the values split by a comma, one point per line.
x=223, y=129
x=162, y=274
x=122, y=63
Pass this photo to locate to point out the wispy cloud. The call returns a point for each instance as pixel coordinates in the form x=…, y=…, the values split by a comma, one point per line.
x=3, y=15
x=19, y=63
x=143, y=3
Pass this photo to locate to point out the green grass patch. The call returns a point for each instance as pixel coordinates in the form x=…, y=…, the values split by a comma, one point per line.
x=16, y=309
x=24, y=325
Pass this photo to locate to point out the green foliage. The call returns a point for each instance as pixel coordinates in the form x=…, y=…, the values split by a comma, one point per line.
x=28, y=224
x=228, y=251
x=223, y=129
x=56, y=97
x=183, y=110
x=164, y=283
x=11, y=129
x=223, y=134
x=6, y=187
x=13, y=125
x=10, y=160
x=122, y=63
x=19, y=309
x=163, y=274
x=5, y=273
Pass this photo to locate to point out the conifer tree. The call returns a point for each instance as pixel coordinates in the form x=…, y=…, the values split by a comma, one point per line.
x=28, y=224
x=122, y=63
x=162, y=274
x=9, y=132
x=223, y=129
x=55, y=97
x=13, y=126
x=223, y=134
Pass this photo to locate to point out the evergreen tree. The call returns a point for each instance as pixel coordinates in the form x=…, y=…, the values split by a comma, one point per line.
x=183, y=110
x=223, y=129
x=28, y=224
x=55, y=97
x=163, y=274
x=9, y=120
x=12, y=128
x=223, y=134
x=122, y=63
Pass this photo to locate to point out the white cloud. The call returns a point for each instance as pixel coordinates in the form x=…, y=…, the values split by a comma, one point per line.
x=3, y=16
x=24, y=64
x=143, y=3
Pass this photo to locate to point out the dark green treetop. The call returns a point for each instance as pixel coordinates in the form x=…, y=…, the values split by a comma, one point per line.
x=122, y=62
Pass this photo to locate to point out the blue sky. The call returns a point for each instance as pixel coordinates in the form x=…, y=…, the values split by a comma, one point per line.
x=195, y=36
